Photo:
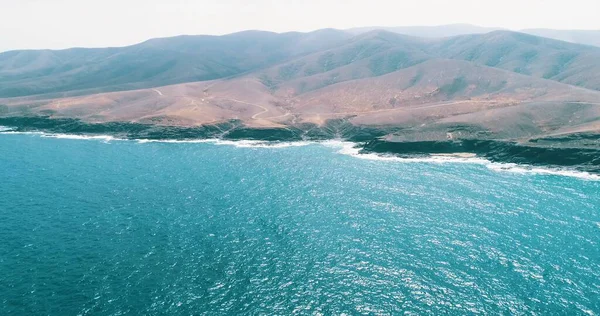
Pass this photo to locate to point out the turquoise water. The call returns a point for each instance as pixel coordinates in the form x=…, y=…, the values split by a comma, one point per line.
x=89, y=227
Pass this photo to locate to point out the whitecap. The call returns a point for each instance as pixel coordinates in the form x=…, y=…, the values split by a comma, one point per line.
x=354, y=150
x=22, y=133
x=261, y=144
x=175, y=141
x=345, y=148
x=525, y=169
x=105, y=138
x=234, y=143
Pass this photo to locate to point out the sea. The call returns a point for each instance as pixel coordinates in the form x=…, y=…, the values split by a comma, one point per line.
x=103, y=226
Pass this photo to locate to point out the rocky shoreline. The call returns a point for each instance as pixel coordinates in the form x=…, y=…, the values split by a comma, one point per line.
x=547, y=152
x=581, y=159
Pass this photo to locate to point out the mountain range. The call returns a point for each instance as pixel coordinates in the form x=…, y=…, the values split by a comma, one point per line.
x=585, y=37
x=428, y=84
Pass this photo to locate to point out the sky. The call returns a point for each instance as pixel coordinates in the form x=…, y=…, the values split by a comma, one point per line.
x=57, y=24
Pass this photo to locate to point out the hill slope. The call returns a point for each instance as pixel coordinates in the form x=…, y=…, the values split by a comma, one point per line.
x=584, y=37
x=430, y=99
x=368, y=55
x=429, y=31
x=377, y=53
x=298, y=61
x=499, y=85
x=526, y=54
x=153, y=63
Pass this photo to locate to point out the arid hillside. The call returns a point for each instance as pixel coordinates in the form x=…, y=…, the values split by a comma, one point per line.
x=526, y=54
x=501, y=85
x=584, y=37
x=153, y=63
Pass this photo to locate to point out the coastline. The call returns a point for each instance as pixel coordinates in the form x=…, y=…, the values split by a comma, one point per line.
x=580, y=159
x=366, y=141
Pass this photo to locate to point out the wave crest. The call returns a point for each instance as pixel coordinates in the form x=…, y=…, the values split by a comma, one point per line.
x=234, y=143
x=345, y=148
x=352, y=149
x=105, y=138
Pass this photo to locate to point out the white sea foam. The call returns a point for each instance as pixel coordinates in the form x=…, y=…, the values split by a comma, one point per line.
x=345, y=148
x=261, y=144
x=235, y=143
x=524, y=169
x=22, y=133
x=352, y=149
x=175, y=141
x=105, y=138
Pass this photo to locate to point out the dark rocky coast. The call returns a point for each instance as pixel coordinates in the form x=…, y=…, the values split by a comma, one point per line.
x=575, y=151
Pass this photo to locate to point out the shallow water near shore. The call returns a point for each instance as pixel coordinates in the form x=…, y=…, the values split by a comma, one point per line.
x=345, y=147
x=107, y=227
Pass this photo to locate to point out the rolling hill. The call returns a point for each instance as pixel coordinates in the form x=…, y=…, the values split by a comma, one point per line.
x=584, y=37
x=328, y=56
x=496, y=85
x=526, y=54
x=368, y=55
x=153, y=63
x=437, y=31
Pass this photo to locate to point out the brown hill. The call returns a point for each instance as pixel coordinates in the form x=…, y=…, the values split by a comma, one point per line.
x=584, y=37
x=330, y=56
x=493, y=83
x=440, y=91
x=526, y=54
x=373, y=54
x=156, y=62
x=428, y=98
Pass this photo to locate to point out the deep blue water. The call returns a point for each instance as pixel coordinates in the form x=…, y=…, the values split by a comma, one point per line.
x=123, y=228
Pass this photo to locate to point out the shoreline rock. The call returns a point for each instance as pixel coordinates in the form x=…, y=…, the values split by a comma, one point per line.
x=535, y=153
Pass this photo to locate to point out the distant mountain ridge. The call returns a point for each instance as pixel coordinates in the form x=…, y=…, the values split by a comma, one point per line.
x=380, y=52
x=429, y=31
x=155, y=62
x=585, y=37
x=164, y=61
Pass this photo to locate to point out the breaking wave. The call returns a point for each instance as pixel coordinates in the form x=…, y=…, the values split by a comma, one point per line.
x=235, y=143
x=345, y=148
x=352, y=149
x=261, y=144
x=105, y=138
x=174, y=141
x=523, y=169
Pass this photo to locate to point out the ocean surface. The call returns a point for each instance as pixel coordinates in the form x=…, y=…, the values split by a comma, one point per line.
x=99, y=226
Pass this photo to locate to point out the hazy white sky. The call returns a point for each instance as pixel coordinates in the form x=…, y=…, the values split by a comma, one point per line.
x=98, y=23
